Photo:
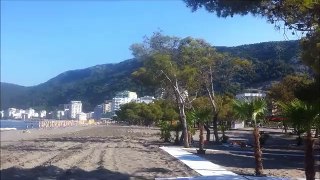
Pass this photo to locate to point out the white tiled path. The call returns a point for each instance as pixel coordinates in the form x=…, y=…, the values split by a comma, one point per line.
x=207, y=169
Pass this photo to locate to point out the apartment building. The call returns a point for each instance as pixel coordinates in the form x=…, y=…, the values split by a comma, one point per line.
x=122, y=98
x=73, y=108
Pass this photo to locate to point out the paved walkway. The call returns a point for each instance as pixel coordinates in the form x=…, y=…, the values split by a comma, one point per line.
x=207, y=169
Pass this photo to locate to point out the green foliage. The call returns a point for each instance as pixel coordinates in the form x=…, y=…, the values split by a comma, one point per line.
x=252, y=110
x=298, y=15
x=140, y=113
x=302, y=116
x=165, y=130
x=288, y=87
x=225, y=107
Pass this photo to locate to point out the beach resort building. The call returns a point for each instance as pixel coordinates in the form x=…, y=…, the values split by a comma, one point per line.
x=122, y=98
x=72, y=109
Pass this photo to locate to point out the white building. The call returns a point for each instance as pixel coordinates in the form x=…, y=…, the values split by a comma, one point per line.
x=73, y=108
x=42, y=114
x=81, y=116
x=107, y=106
x=90, y=115
x=145, y=99
x=30, y=112
x=1, y=114
x=122, y=98
x=251, y=94
x=60, y=115
x=9, y=113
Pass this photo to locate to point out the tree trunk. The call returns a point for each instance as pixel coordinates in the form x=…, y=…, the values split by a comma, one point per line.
x=206, y=127
x=176, y=140
x=184, y=125
x=316, y=135
x=215, y=129
x=257, y=152
x=201, y=139
x=309, y=157
x=181, y=137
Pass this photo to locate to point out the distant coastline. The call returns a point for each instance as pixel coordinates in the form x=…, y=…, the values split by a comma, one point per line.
x=10, y=124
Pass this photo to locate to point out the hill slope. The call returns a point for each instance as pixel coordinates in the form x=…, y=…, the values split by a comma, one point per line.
x=93, y=85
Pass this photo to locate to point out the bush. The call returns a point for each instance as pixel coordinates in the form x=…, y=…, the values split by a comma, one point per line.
x=165, y=131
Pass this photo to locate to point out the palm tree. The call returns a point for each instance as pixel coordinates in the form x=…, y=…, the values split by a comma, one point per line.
x=247, y=109
x=304, y=116
x=201, y=114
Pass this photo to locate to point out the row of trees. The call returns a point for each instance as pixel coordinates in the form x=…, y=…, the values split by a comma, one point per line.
x=302, y=16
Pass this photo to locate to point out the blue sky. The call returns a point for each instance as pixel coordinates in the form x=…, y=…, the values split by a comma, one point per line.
x=41, y=39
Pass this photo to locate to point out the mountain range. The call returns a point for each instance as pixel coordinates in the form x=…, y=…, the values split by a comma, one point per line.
x=93, y=85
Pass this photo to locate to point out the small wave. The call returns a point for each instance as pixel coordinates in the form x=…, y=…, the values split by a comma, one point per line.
x=7, y=129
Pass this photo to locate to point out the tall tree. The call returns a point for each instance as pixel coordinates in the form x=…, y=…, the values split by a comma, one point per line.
x=165, y=63
x=247, y=109
x=287, y=88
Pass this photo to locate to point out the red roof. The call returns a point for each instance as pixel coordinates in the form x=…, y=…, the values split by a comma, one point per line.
x=276, y=118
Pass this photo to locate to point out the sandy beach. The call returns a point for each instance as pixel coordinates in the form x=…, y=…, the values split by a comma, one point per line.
x=123, y=152
x=100, y=152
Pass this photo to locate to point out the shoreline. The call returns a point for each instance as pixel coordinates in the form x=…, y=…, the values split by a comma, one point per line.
x=7, y=137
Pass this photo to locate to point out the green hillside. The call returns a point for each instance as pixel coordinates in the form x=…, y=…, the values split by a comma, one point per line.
x=93, y=85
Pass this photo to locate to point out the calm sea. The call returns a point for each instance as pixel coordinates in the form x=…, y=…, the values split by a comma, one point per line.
x=19, y=124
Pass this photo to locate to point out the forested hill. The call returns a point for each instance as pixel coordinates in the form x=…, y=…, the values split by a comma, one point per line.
x=93, y=85
x=283, y=50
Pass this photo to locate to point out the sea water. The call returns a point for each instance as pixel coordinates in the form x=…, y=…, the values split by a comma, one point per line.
x=18, y=124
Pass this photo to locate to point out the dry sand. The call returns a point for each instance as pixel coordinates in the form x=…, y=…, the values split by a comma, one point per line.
x=100, y=152
x=276, y=155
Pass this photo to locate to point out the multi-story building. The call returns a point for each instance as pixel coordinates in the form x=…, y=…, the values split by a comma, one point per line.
x=73, y=108
x=122, y=98
x=1, y=114
x=106, y=106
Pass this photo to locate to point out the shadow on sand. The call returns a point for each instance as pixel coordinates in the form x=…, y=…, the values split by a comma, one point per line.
x=53, y=172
